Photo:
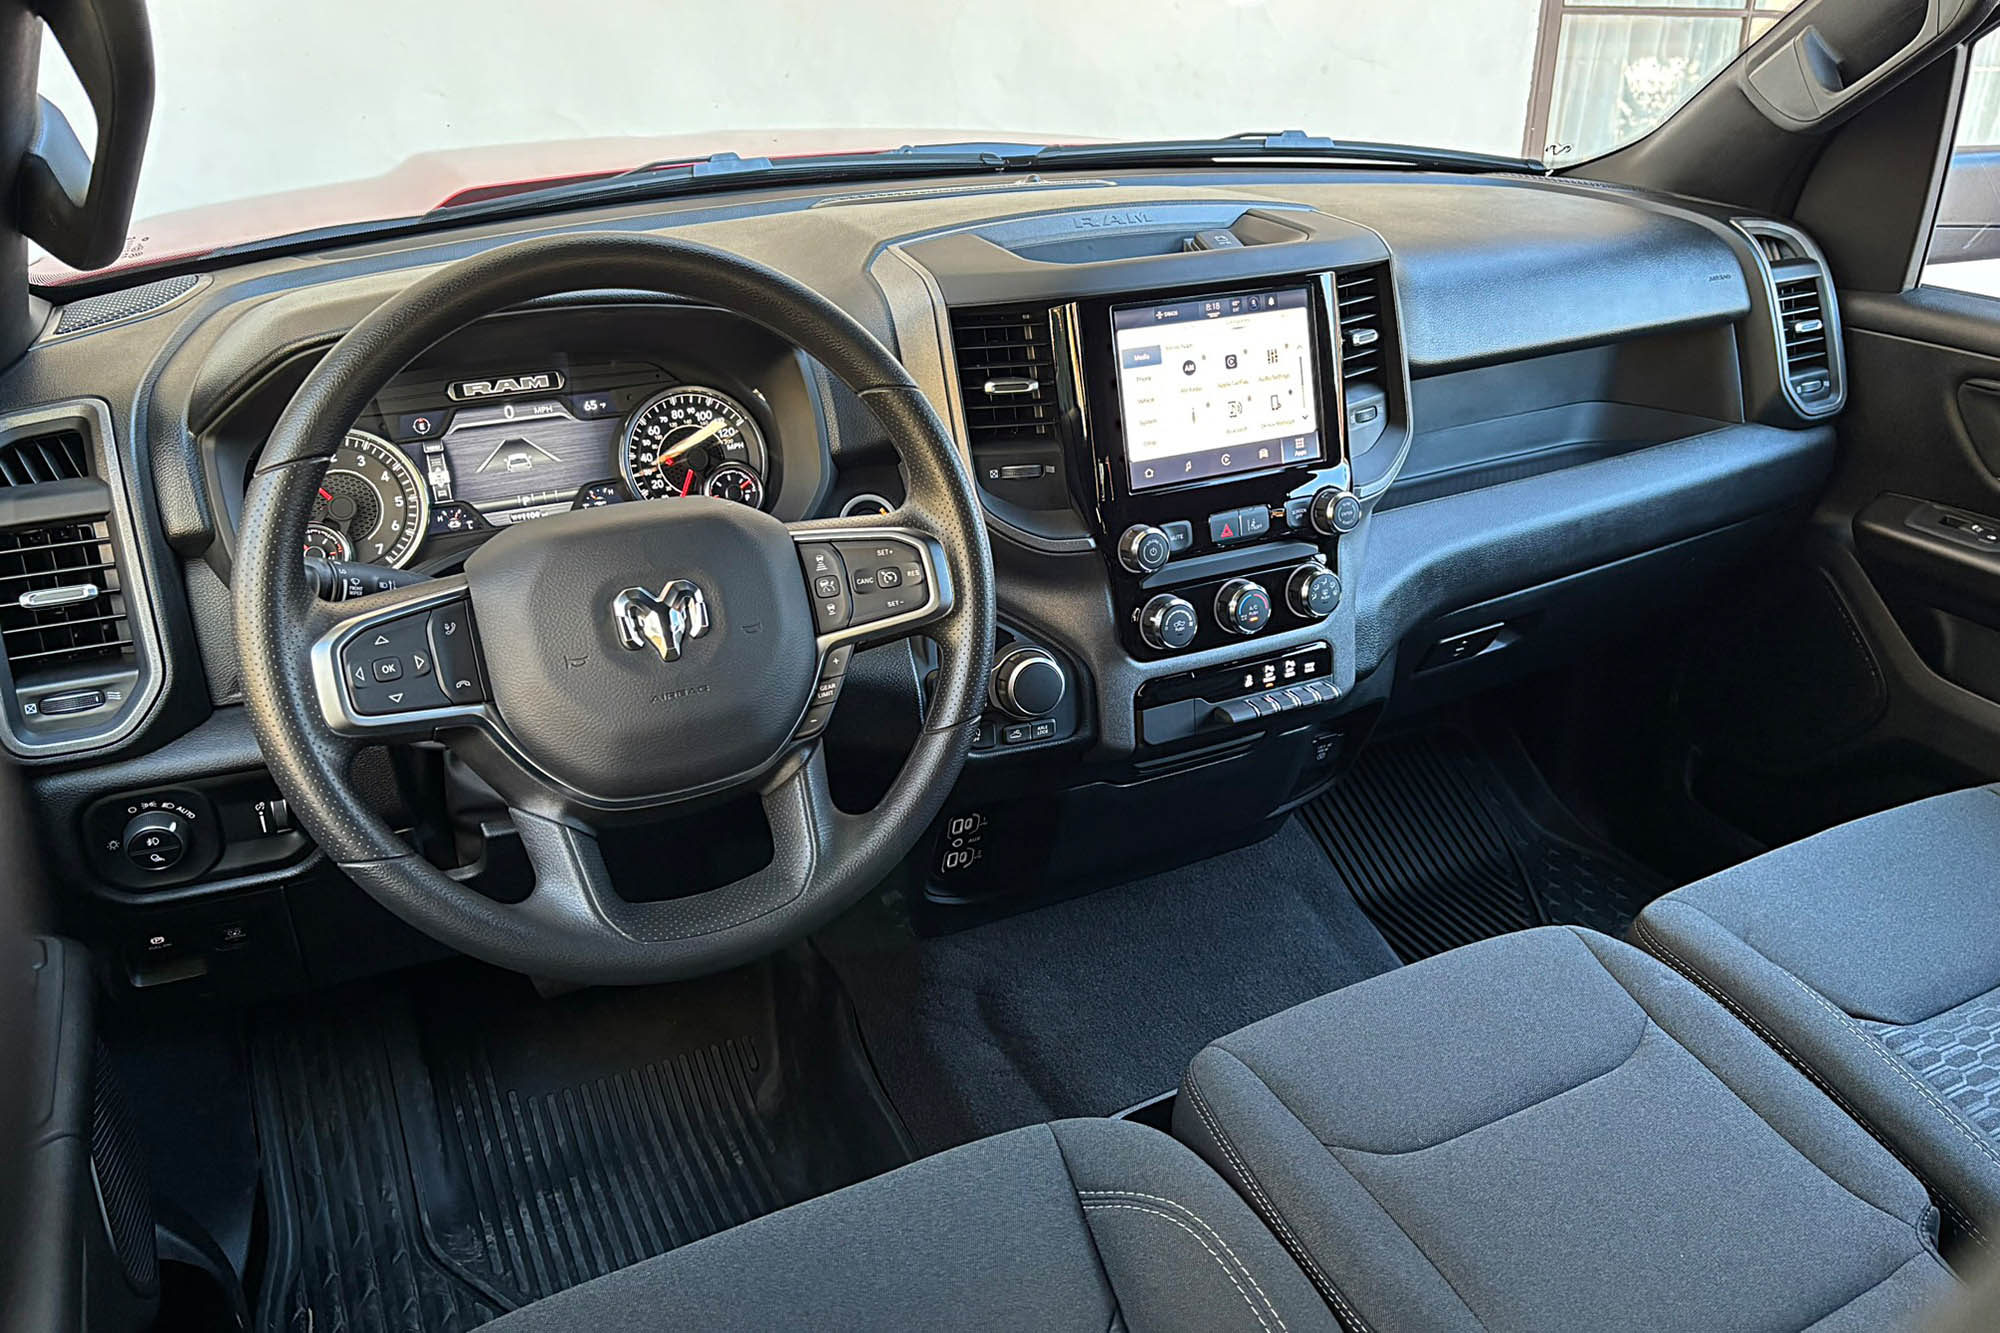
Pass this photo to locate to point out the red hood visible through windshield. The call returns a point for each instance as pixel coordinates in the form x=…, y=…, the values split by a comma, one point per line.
x=428, y=180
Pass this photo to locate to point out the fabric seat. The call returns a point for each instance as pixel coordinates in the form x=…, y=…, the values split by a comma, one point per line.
x=1870, y=956
x=1083, y=1224
x=1552, y=1130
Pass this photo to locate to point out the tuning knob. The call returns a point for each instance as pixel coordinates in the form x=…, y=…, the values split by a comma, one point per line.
x=1334, y=511
x=1242, y=607
x=1144, y=549
x=1312, y=591
x=1168, y=623
x=1027, y=683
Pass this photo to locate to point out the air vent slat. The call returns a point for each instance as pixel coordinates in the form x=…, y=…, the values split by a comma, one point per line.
x=1363, y=343
x=33, y=459
x=91, y=629
x=1006, y=374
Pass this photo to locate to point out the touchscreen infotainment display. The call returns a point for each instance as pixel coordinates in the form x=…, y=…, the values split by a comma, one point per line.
x=1217, y=386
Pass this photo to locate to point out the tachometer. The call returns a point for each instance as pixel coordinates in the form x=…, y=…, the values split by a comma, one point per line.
x=676, y=441
x=370, y=500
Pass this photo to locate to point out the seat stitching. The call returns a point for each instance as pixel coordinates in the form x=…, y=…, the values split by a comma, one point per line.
x=1647, y=1027
x=1915, y=1224
x=1226, y=1270
x=1877, y=1049
x=1644, y=934
x=1203, y=1223
x=1333, y=1157
x=1262, y=1202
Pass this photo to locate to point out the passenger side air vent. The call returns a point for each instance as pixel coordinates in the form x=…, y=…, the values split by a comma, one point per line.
x=32, y=459
x=1802, y=326
x=1363, y=350
x=62, y=603
x=1805, y=319
x=1006, y=375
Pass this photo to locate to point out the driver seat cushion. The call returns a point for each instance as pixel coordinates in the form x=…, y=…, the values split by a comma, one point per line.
x=1552, y=1130
x=1870, y=956
x=1082, y=1224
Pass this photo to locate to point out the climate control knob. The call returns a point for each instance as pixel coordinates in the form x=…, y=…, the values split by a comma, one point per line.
x=1334, y=511
x=1242, y=607
x=1312, y=591
x=1168, y=623
x=1144, y=549
x=1027, y=683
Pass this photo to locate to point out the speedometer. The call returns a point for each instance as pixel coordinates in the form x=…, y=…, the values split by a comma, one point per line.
x=371, y=501
x=676, y=441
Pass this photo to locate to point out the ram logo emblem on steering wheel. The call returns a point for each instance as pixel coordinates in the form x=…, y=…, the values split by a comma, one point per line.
x=664, y=621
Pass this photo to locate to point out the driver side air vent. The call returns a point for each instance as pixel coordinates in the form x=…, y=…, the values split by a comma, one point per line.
x=62, y=603
x=32, y=459
x=1006, y=374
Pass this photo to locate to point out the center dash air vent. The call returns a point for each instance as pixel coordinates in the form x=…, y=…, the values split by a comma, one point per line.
x=1006, y=374
x=58, y=456
x=62, y=603
x=1363, y=332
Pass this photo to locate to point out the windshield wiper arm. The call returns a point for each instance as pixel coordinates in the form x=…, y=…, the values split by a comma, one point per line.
x=1259, y=144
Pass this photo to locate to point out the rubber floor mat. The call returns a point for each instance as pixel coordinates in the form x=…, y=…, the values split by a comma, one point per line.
x=1444, y=841
x=458, y=1147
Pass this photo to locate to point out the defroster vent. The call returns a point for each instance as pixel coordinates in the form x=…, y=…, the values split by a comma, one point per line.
x=1006, y=374
x=62, y=602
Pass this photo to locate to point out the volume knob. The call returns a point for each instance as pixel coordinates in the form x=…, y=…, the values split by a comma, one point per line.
x=1335, y=511
x=1144, y=549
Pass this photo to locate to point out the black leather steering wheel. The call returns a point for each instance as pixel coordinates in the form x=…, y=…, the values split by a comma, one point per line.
x=599, y=664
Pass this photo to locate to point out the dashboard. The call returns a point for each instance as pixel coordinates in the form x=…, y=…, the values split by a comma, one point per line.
x=1265, y=456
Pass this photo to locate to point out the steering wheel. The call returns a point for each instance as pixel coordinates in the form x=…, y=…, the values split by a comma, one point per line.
x=601, y=664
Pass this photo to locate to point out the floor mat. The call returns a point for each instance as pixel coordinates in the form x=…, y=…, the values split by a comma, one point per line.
x=1090, y=1005
x=456, y=1147
x=1446, y=840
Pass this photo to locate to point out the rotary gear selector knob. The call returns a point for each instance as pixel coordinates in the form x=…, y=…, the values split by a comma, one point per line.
x=1027, y=683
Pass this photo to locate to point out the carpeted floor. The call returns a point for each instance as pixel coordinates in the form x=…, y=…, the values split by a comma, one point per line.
x=1090, y=1005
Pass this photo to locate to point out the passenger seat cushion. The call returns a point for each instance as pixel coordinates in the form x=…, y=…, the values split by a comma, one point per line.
x=1085, y=1225
x=1870, y=956
x=1551, y=1130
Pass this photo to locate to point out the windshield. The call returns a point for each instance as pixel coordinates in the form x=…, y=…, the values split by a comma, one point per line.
x=272, y=120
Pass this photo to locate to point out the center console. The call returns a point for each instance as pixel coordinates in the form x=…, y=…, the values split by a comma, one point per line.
x=1214, y=426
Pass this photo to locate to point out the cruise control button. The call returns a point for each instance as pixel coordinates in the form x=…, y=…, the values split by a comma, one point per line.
x=888, y=577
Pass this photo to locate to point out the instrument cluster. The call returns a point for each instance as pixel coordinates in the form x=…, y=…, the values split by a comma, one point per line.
x=512, y=448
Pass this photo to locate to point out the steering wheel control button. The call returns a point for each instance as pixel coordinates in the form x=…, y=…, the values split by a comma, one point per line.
x=836, y=661
x=454, y=654
x=1242, y=607
x=379, y=666
x=1335, y=511
x=878, y=572
x=1144, y=549
x=1168, y=623
x=1313, y=591
x=826, y=575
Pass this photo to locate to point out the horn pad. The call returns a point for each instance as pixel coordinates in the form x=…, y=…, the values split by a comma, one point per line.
x=574, y=613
